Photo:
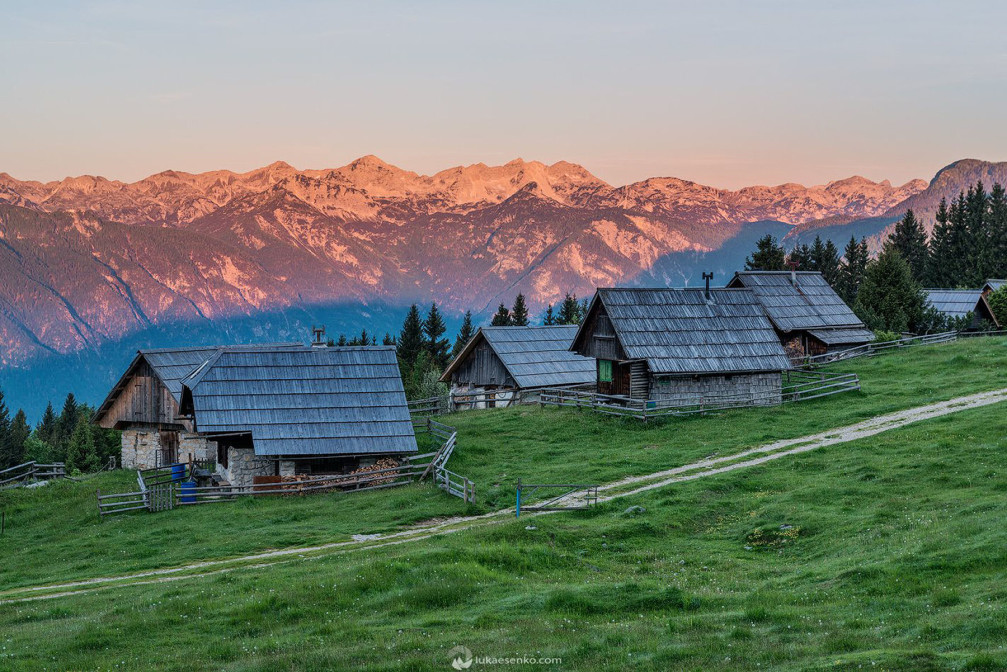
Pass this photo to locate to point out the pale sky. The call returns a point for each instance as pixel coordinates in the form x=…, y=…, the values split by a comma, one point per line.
x=724, y=93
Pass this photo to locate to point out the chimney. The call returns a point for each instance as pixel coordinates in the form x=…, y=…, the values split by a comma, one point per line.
x=793, y=272
x=707, y=277
x=318, y=336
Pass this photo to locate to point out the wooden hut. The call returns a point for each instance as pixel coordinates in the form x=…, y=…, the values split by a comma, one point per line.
x=500, y=362
x=144, y=405
x=960, y=303
x=270, y=410
x=280, y=412
x=808, y=315
x=682, y=346
x=993, y=285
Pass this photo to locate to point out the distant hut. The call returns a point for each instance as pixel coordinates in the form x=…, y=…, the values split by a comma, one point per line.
x=499, y=362
x=993, y=285
x=959, y=303
x=808, y=315
x=682, y=346
x=276, y=410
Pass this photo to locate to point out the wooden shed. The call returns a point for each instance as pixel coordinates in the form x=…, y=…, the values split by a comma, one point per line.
x=263, y=410
x=807, y=314
x=993, y=285
x=144, y=405
x=682, y=346
x=308, y=410
x=499, y=361
x=959, y=303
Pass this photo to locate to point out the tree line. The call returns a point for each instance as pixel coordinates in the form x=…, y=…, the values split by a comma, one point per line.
x=968, y=245
x=67, y=437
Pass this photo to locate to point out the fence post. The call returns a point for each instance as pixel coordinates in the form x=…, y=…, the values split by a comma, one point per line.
x=517, y=508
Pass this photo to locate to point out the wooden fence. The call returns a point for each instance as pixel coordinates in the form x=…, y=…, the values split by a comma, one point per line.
x=20, y=474
x=869, y=349
x=161, y=489
x=796, y=386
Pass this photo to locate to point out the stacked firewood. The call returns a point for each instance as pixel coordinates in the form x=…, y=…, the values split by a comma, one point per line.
x=380, y=465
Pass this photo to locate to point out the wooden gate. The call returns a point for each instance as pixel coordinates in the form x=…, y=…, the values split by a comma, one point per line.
x=161, y=497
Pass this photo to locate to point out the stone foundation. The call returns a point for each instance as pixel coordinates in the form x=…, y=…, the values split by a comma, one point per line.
x=141, y=445
x=243, y=466
x=139, y=448
x=761, y=389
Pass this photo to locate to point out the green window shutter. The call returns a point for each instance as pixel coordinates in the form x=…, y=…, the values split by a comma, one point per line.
x=604, y=370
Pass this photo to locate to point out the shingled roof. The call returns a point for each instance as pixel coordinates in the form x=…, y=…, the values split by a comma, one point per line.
x=810, y=303
x=171, y=365
x=994, y=284
x=679, y=331
x=958, y=303
x=533, y=356
x=306, y=401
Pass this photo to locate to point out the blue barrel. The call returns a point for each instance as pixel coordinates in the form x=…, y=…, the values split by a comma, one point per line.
x=188, y=492
x=177, y=472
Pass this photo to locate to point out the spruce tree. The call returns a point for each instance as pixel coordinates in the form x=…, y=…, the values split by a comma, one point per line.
x=519, y=313
x=342, y=342
x=851, y=270
x=940, y=249
x=465, y=334
x=47, y=425
x=433, y=342
x=768, y=255
x=388, y=339
x=16, y=438
x=828, y=264
x=569, y=310
x=502, y=317
x=995, y=259
x=910, y=240
x=81, y=453
x=889, y=298
x=5, y=435
x=410, y=341
x=549, y=319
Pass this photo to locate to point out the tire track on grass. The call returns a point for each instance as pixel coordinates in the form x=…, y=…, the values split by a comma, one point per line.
x=625, y=487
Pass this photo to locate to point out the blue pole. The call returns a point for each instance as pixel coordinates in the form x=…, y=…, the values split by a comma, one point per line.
x=518, y=507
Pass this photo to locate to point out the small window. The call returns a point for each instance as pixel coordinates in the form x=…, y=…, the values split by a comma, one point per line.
x=604, y=371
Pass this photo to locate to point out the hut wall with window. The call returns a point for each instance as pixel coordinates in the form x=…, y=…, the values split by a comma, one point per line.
x=682, y=346
x=501, y=363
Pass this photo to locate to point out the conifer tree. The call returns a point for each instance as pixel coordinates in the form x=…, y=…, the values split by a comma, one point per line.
x=941, y=248
x=851, y=270
x=768, y=255
x=81, y=453
x=889, y=298
x=910, y=240
x=388, y=339
x=47, y=425
x=995, y=259
x=433, y=342
x=410, y=341
x=5, y=434
x=465, y=334
x=342, y=342
x=16, y=438
x=801, y=256
x=502, y=317
x=570, y=311
x=549, y=319
x=519, y=313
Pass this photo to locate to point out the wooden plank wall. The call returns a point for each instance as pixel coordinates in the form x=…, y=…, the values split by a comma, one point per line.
x=144, y=400
x=599, y=337
x=482, y=368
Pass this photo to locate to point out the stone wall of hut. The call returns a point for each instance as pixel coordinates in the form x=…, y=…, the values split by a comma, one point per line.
x=760, y=389
x=140, y=447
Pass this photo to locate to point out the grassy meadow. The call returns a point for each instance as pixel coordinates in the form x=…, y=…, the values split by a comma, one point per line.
x=886, y=553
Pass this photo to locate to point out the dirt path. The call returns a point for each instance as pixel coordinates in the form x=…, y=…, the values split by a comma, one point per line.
x=622, y=488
